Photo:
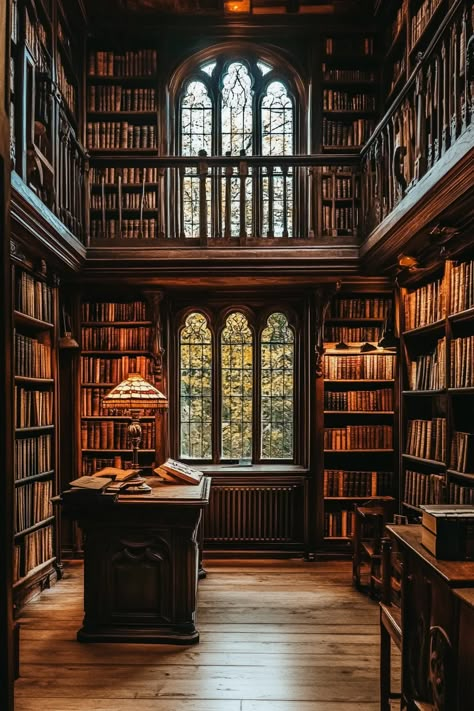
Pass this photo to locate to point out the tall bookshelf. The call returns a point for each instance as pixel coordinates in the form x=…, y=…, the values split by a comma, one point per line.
x=116, y=340
x=340, y=201
x=35, y=415
x=438, y=397
x=360, y=400
x=349, y=92
x=122, y=120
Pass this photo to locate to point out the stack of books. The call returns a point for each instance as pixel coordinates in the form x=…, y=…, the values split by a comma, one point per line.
x=448, y=531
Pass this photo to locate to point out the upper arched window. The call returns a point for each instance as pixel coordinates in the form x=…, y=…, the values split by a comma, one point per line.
x=236, y=107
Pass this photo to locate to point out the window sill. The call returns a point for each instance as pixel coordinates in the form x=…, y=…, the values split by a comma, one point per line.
x=270, y=469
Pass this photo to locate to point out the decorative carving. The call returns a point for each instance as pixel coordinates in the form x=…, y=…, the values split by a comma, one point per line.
x=154, y=299
x=323, y=298
x=400, y=182
x=440, y=668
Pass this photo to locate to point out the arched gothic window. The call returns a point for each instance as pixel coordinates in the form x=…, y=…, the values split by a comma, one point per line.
x=236, y=389
x=238, y=107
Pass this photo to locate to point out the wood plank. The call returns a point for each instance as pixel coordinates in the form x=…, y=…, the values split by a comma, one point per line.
x=275, y=636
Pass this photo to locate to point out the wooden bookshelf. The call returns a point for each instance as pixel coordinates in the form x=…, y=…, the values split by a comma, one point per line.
x=108, y=329
x=438, y=379
x=358, y=385
x=349, y=97
x=35, y=400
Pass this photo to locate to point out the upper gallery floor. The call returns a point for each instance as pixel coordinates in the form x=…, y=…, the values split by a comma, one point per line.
x=244, y=137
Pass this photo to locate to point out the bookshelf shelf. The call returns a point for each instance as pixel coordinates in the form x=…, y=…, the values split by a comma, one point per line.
x=35, y=527
x=33, y=381
x=349, y=319
x=435, y=327
x=122, y=79
x=461, y=391
x=33, y=477
x=424, y=393
x=467, y=476
x=466, y=315
x=123, y=114
x=422, y=460
x=368, y=497
x=33, y=430
x=359, y=451
x=358, y=380
x=115, y=352
x=23, y=319
x=114, y=449
x=117, y=323
x=359, y=412
x=43, y=567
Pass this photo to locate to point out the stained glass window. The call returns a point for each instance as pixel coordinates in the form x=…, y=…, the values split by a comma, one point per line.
x=195, y=356
x=277, y=139
x=237, y=387
x=196, y=135
x=277, y=362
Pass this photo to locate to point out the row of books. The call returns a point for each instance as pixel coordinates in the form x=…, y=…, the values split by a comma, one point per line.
x=359, y=400
x=462, y=359
x=425, y=305
x=423, y=488
x=110, y=434
x=332, y=74
x=130, y=176
x=33, y=408
x=142, y=62
x=126, y=229
x=33, y=504
x=118, y=98
x=399, y=66
x=354, y=483
x=458, y=494
x=351, y=334
x=130, y=201
x=34, y=298
x=427, y=439
x=462, y=287
x=33, y=455
x=91, y=464
x=353, y=45
x=92, y=398
x=346, y=133
x=341, y=188
x=428, y=371
x=338, y=524
x=113, y=311
x=97, y=369
x=120, y=135
x=365, y=367
x=462, y=452
x=358, y=437
x=421, y=18
x=66, y=87
x=32, y=358
x=334, y=100
x=37, y=549
x=115, y=338
x=340, y=219
x=363, y=307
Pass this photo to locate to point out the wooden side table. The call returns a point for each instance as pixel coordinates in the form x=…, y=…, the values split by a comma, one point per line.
x=370, y=519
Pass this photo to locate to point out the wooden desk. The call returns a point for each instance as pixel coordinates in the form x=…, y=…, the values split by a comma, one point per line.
x=141, y=563
x=433, y=660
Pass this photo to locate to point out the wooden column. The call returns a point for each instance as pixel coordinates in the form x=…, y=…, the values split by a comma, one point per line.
x=6, y=385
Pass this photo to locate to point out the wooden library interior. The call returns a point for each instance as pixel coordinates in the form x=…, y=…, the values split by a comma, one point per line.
x=237, y=355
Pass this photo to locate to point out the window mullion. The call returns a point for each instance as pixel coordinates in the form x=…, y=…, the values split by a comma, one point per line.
x=217, y=397
x=256, y=418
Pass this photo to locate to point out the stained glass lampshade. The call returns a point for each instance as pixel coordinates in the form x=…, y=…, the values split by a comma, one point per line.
x=135, y=393
x=132, y=396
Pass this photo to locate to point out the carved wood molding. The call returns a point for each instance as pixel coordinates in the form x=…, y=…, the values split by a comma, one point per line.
x=322, y=299
x=155, y=298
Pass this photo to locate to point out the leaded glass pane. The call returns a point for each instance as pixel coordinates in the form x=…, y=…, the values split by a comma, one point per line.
x=195, y=358
x=277, y=139
x=236, y=110
x=209, y=68
x=196, y=135
x=277, y=354
x=264, y=68
x=237, y=387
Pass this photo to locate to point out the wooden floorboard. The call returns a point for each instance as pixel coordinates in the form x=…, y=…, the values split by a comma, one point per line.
x=274, y=636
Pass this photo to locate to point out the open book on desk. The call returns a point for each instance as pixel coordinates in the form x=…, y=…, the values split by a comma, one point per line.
x=117, y=475
x=178, y=473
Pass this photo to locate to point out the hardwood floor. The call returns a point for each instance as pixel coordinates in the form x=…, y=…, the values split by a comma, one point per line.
x=275, y=636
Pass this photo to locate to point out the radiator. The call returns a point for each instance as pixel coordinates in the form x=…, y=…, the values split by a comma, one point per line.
x=255, y=514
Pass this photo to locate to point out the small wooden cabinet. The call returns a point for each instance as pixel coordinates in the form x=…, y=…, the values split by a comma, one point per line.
x=140, y=563
x=437, y=626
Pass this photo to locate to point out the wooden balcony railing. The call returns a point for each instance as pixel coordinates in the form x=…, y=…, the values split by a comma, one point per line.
x=233, y=199
x=431, y=113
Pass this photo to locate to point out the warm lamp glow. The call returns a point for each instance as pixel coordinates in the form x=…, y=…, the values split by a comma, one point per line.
x=237, y=6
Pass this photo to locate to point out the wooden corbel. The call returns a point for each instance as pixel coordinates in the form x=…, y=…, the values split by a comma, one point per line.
x=322, y=299
x=155, y=298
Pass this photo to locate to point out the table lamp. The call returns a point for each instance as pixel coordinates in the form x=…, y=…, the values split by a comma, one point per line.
x=132, y=396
